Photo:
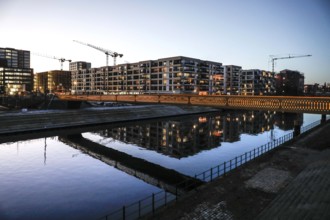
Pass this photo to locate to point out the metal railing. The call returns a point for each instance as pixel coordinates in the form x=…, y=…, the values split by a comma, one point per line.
x=225, y=167
x=143, y=206
x=149, y=204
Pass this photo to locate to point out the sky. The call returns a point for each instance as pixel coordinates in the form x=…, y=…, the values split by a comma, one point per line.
x=238, y=32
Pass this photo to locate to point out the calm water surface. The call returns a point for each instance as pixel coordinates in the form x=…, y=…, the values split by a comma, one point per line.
x=47, y=179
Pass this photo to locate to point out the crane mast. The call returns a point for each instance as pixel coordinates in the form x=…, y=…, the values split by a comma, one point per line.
x=106, y=51
x=62, y=60
x=287, y=57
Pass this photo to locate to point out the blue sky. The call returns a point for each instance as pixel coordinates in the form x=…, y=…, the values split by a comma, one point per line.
x=239, y=32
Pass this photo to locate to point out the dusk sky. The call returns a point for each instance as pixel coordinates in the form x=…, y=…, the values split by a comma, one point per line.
x=239, y=32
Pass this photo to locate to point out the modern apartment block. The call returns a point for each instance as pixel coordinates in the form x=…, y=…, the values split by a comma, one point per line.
x=231, y=78
x=167, y=75
x=289, y=82
x=79, y=65
x=52, y=81
x=16, y=76
x=256, y=82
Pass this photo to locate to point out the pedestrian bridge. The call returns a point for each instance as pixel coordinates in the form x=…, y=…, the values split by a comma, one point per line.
x=303, y=104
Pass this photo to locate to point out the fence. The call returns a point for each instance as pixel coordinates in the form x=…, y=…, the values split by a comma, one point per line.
x=156, y=200
x=227, y=166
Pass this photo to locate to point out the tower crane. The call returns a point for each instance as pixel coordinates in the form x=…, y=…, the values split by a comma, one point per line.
x=106, y=51
x=288, y=57
x=62, y=60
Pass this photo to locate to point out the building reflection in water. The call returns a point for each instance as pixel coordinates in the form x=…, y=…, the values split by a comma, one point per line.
x=285, y=120
x=186, y=136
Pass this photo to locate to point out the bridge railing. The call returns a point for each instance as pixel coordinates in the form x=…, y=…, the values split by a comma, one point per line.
x=151, y=203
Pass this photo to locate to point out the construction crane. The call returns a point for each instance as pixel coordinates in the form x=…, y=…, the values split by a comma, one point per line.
x=107, y=52
x=288, y=57
x=62, y=60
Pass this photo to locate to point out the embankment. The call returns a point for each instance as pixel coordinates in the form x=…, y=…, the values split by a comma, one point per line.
x=29, y=121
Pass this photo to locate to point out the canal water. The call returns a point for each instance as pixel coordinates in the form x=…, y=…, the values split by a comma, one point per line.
x=50, y=178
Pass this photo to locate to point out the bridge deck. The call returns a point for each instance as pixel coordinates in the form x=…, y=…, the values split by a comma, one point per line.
x=304, y=104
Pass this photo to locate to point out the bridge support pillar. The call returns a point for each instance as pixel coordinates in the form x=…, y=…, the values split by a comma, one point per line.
x=296, y=128
x=323, y=119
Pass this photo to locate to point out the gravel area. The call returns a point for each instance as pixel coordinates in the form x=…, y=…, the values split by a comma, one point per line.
x=269, y=180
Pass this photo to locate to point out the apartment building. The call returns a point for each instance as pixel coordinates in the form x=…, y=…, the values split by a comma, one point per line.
x=52, y=81
x=289, y=82
x=256, y=82
x=16, y=76
x=79, y=65
x=167, y=75
x=231, y=78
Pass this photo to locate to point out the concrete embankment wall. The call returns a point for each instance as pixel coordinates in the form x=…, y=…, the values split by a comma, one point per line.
x=16, y=122
x=151, y=173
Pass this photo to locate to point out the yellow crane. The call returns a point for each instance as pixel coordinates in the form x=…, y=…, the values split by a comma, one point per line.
x=287, y=57
x=106, y=51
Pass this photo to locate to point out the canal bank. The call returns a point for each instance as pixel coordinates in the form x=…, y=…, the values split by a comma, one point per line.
x=31, y=121
x=289, y=182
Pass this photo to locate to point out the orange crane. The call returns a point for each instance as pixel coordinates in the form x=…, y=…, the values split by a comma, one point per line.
x=287, y=57
x=62, y=60
x=106, y=51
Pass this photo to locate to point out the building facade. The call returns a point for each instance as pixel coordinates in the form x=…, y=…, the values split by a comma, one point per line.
x=167, y=75
x=52, y=81
x=290, y=83
x=231, y=79
x=79, y=65
x=256, y=82
x=16, y=76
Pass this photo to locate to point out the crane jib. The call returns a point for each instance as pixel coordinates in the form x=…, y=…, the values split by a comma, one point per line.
x=106, y=51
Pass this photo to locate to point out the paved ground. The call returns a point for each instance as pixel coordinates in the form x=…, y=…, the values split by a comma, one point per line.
x=306, y=197
x=291, y=182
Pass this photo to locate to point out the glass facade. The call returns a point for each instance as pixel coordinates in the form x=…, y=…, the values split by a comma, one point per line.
x=16, y=76
x=52, y=81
